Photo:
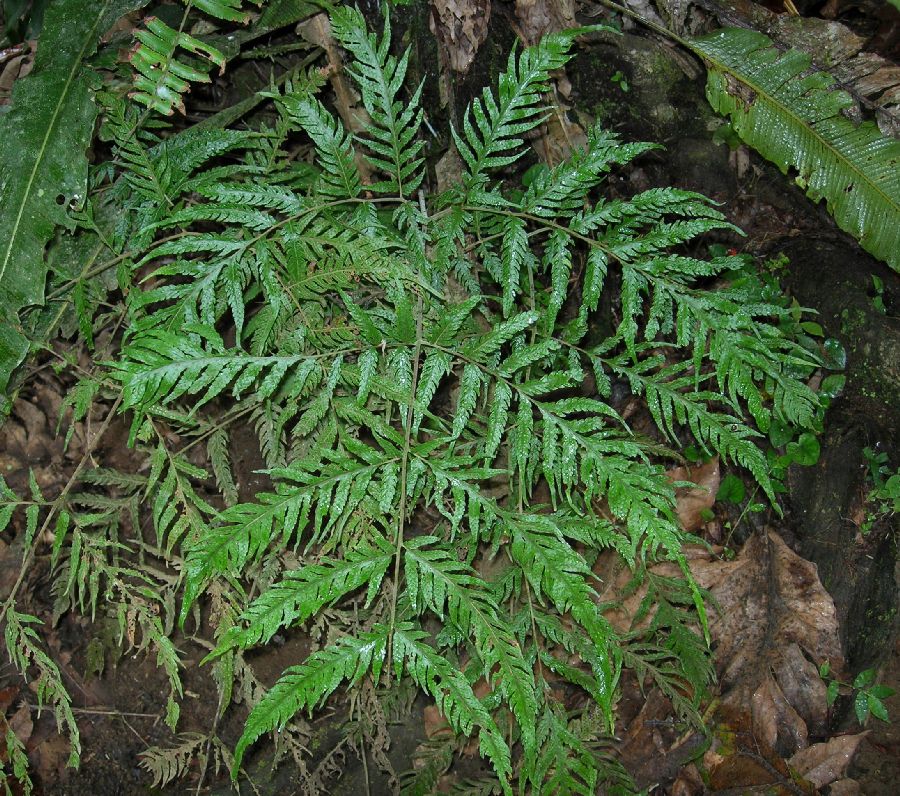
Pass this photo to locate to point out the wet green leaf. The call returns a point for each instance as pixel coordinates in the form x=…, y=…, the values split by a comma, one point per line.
x=43, y=157
x=835, y=354
x=805, y=450
x=731, y=490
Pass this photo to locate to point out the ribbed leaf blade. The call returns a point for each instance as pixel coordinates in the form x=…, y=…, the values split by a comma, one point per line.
x=794, y=118
x=43, y=164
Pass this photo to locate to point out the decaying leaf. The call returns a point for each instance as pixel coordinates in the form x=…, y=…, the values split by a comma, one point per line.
x=774, y=626
x=461, y=27
x=15, y=63
x=539, y=17
x=692, y=503
x=825, y=763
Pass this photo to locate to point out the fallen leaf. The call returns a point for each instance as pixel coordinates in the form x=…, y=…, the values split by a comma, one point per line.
x=15, y=63
x=21, y=723
x=537, y=18
x=845, y=787
x=775, y=625
x=461, y=27
x=772, y=624
x=692, y=503
x=774, y=720
x=825, y=763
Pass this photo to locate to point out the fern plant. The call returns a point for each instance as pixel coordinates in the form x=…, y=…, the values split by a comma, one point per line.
x=437, y=408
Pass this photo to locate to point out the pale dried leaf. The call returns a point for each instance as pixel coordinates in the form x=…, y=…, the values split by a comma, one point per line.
x=845, y=787
x=691, y=503
x=826, y=763
x=774, y=721
x=537, y=18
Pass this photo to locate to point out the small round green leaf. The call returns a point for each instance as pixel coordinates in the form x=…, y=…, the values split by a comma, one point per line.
x=832, y=386
x=780, y=433
x=805, y=450
x=731, y=490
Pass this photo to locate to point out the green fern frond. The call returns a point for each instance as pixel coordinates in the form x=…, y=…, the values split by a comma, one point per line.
x=493, y=126
x=565, y=188
x=339, y=178
x=217, y=447
x=303, y=592
x=251, y=194
x=392, y=135
x=177, y=509
x=554, y=569
x=310, y=683
x=566, y=765
x=161, y=79
x=247, y=529
x=454, y=696
x=160, y=367
x=438, y=581
x=24, y=648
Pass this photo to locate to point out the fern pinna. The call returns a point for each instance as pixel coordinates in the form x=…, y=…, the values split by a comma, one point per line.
x=435, y=406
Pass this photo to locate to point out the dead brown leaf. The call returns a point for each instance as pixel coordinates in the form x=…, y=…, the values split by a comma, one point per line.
x=461, y=27
x=845, y=787
x=692, y=503
x=774, y=626
x=537, y=18
x=21, y=723
x=15, y=63
x=825, y=763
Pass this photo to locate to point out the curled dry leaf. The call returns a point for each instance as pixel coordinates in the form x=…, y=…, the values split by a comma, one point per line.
x=15, y=63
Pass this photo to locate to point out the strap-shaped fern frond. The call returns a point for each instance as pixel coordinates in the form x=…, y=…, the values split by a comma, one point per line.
x=392, y=135
x=794, y=118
